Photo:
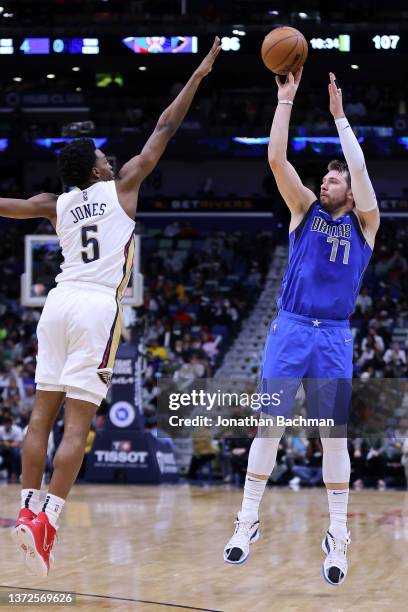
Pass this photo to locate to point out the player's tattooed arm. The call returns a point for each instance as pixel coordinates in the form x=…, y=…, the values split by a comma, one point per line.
x=41, y=205
x=140, y=166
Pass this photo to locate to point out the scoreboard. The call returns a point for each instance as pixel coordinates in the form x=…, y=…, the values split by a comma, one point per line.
x=371, y=42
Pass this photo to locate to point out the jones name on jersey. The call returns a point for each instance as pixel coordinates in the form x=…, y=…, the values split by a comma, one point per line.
x=86, y=211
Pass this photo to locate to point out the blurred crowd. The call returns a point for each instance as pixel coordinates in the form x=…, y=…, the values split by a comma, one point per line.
x=380, y=320
x=378, y=462
x=199, y=287
x=219, y=108
x=198, y=290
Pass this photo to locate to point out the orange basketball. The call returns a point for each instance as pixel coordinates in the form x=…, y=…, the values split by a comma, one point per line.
x=284, y=50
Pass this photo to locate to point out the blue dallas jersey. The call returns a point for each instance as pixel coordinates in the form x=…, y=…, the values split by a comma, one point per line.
x=327, y=260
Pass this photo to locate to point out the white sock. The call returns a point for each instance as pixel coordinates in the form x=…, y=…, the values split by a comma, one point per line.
x=338, y=501
x=31, y=498
x=52, y=507
x=253, y=491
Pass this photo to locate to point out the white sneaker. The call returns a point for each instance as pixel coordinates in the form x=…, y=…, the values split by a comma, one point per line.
x=237, y=549
x=334, y=568
x=294, y=483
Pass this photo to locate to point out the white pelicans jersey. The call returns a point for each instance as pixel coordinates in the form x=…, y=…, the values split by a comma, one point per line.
x=96, y=237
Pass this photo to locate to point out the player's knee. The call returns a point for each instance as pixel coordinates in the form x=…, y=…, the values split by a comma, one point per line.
x=76, y=436
x=334, y=444
x=39, y=423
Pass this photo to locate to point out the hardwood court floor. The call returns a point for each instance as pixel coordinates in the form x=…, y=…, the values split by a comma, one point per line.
x=161, y=549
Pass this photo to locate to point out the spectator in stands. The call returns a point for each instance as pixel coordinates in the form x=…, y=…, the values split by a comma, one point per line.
x=368, y=353
x=234, y=455
x=364, y=300
x=311, y=473
x=239, y=453
x=11, y=438
x=210, y=344
x=203, y=450
x=192, y=368
x=156, y=350
x=370, y=463
x=373, y=341
x=395, y=357
x=404, y=460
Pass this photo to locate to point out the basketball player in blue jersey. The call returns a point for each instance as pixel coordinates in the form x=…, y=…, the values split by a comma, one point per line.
x=79, y=330
x=331, y=240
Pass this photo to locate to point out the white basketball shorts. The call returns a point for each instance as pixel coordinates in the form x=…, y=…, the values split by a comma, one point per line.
x=78, y=336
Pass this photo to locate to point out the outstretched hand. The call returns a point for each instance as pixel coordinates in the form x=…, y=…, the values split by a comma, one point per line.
x=336, y=98
x=206, y=65
x=288, y=89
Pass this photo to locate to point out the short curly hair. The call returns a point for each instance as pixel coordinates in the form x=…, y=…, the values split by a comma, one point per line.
x=342, y=168
x=76, y=161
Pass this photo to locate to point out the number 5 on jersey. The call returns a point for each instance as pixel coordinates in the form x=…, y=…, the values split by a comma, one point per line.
x=90, y=244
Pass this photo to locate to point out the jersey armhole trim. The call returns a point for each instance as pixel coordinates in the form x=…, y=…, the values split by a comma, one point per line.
x=58, y=211
x=357, y=226
x=298, y=230
x=119, y=204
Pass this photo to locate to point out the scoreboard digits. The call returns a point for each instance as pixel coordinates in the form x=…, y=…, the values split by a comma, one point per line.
x=386, y=41
x=35, y=46
x=48, y=46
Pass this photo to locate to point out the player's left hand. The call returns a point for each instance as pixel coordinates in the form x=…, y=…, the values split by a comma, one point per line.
x=336, y=99
x=206, y=65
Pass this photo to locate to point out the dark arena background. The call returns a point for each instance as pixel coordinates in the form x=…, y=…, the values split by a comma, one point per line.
x=145, y=525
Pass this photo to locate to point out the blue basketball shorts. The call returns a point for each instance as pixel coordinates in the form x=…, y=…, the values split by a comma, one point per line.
x=318, y=352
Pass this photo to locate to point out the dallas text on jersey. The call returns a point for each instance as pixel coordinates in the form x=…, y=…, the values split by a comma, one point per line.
x=342, y=230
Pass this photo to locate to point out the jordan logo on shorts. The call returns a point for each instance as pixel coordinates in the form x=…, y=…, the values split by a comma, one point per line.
x=105, y=376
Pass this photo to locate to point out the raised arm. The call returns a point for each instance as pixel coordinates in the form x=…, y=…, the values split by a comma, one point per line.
x=137, y=168
x=297, y=197
x=41, y=205
x=363, y=192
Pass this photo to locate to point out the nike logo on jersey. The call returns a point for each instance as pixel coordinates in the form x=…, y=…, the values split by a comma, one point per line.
x=347, y=340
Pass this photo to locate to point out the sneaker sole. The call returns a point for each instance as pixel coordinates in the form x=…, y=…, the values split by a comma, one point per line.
x=16, y=539
x=254, y=539
x=326, y=550
x=335, y=584
x=33, y=560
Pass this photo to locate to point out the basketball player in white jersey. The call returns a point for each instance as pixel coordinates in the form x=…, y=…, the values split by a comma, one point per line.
x=79, y=329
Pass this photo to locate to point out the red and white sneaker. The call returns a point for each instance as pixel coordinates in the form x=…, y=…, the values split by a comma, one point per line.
x=25, y=516
x=38, y=537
